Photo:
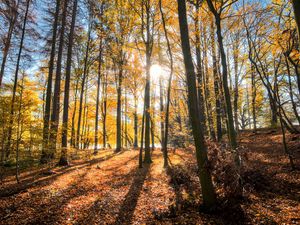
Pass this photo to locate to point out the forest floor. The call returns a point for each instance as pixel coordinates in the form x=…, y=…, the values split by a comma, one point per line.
x=110, y=189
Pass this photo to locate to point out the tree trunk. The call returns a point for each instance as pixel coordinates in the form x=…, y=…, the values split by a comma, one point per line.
x=148, y=44
x=142, y=140
x=236, y=81
x=119, y=111
x=97, y=98
x=216, y=84
x=135, y=143
x=162, y=111
x=56, y=98
x=12, y=106
x=64, y=158
x=104, y=110
x=74, y=114
x=294, y=105
x=125, y=119
x=209, y=198
x=230, y=123
x=253, y=94
x=165, y=143
x=200, y=72
x=7, y=41
x=45, y=151
x=85, y=74
x=206, y=89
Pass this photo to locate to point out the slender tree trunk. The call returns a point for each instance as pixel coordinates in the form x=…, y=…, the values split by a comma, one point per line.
x=7, y=41
x=19, y=129
x=236, y=81
x=142, y=140
x=12, y=106
x=73, y=142
x=57, y=88
x=85, y=74
x=148, y=45
x=165, y=146
x=230, y=123
x=98, y=97
x=45, y=150
x=162, y=112
x=135, y=143
x=200, y=71
x=64, y=157
x=125, y=119
x=104, y=111
x=119, y=111
x=152, y=129
x=296, y=71
x=209, y=198
x=216, y=84
x=291, y=91
x=84, y=120
x=273, y=109
x=206, y=89
x=253, y=95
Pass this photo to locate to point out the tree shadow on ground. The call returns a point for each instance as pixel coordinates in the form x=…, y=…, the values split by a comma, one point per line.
x=97, y=214
x=49, y=207
x=128, y=206
x=42, y=180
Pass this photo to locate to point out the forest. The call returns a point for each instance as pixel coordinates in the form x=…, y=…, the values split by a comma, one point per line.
x=149, y=112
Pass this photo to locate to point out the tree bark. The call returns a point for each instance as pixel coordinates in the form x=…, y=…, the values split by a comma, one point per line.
x=119, y=111
x=45, y=151
x=209, y=199
x=206, y=89
x=216, y=84
x=56, y=98
x=104, y=110
x=12, y=106
x=230, y=123
x=64, y=157
x=148, y=45
x=85, y=74
x=7, y=42
x=253, y=94
x=200, y=71
x=236, y=81
x=98, y=97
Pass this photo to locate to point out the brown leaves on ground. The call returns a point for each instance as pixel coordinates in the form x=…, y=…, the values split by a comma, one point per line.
x=111, y=189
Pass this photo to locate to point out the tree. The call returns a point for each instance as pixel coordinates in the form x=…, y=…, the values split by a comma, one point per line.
x=83, y=82
x=45, y=151
x=216, y=83
x=12, y=15
x=63, y=159
x=217, y=14
x=12, y=106
x=165, y=143
x=209, y=199
x=57, y=87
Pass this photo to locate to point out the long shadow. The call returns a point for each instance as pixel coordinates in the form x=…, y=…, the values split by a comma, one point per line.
x=14, y=189
x=129, y=204
x=50, y=212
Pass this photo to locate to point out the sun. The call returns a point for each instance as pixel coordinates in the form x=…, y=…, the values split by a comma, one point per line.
x=155, y=72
